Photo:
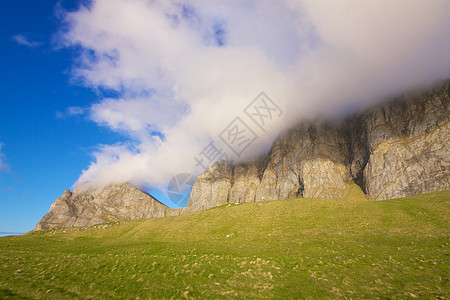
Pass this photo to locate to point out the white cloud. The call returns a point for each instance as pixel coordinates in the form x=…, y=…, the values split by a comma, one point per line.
x=3, y=165
x=23, y=40
x=188, y=68
x=71, y=111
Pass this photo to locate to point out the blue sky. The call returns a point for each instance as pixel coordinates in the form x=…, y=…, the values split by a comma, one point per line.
x=44, y=151
x=132, y=91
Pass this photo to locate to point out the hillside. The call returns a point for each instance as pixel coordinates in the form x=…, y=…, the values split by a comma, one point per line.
x=297, y=248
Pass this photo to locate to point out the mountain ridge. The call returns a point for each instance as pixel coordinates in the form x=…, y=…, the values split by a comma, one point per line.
x=396, y=149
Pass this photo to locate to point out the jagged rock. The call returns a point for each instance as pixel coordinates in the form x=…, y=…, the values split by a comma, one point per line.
x=409, y=165
x=113, y=203
x=246, y=184
x=211, y=188
x=408, y=142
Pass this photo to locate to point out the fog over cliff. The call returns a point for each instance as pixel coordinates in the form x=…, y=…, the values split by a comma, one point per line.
x=183, y=71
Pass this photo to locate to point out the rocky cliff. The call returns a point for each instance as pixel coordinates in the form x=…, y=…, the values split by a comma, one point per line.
x=396, y=149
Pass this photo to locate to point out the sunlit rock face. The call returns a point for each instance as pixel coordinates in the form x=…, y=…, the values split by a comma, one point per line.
x=110, y=204
x=397, y=149
x=408, y=145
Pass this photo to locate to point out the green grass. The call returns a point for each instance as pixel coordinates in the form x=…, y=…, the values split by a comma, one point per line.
x=299, y=248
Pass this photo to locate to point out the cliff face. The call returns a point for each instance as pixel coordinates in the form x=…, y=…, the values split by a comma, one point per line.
x=408, y=146
x=113, y=203
x=397, y=149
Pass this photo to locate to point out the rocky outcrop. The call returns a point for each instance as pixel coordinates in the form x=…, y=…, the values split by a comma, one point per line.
x=208, y=190
x=396, y=149
x=408, y=146
x=113, y=203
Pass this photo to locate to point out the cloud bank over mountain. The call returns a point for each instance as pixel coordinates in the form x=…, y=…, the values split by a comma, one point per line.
x=183, y=71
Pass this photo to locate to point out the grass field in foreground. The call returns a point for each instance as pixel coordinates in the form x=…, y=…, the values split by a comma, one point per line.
x=299, y=248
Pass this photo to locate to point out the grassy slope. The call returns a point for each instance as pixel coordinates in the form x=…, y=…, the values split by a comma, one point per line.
x=297, y=248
